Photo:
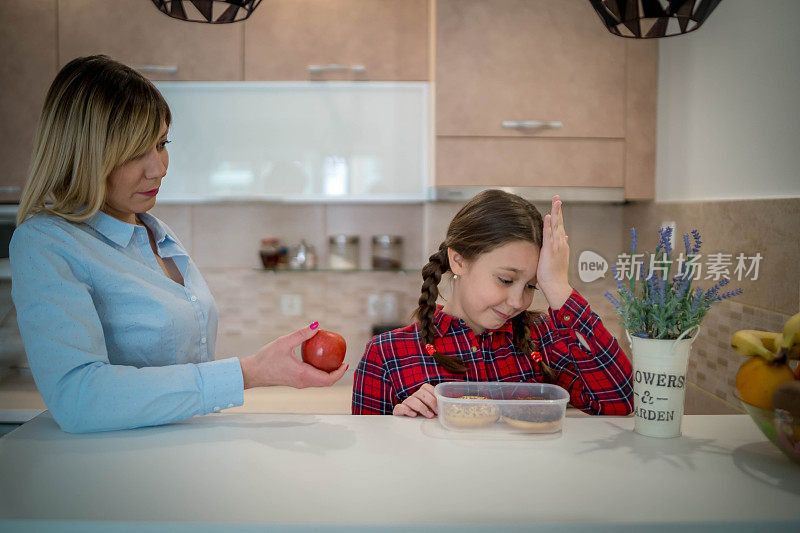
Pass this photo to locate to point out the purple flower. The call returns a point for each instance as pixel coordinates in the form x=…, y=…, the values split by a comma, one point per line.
x=686, y=244
x=729, y=294
x=634, y=238
x=625, y=291
x=697, y=241
x=664, y=241
x=615, y=302
x=712, y=292
x=697, y=300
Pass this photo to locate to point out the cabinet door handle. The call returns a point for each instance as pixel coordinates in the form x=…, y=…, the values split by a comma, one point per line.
x=157, y=69
x=9, y=189
x=530, y=124
x=316, y=69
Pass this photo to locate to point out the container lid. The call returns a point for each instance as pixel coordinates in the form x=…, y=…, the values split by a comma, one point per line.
x=387, y=239
x=343, y=239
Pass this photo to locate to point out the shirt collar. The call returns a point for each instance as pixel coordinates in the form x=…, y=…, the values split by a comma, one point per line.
x=445, y=322
x=121, y=233
x=117, y=231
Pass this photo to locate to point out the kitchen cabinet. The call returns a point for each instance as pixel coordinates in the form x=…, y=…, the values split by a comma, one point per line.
x=379, y=40
x=502, y=62
x=28, y=49
x=137, y=34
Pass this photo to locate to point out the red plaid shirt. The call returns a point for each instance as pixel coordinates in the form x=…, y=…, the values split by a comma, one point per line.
x=396, y=364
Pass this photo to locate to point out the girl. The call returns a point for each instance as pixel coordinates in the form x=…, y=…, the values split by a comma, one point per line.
x=499, y=252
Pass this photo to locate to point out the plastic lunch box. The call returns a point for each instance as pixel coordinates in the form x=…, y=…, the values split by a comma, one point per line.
x=513, y=407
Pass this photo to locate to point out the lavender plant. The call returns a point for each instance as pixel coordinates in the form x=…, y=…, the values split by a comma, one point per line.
x=660, y=307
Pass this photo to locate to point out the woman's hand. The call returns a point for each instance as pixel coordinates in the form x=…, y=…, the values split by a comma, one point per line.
x=276, y=364
x=422, y=402
x=552, y=272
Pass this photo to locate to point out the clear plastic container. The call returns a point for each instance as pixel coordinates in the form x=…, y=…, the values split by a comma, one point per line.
x=343, y=252
x=387, y=252
x=510, y=407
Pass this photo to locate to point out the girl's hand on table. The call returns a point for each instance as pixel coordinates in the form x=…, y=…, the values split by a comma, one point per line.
x=422, y=402
x=276, y=364
x=552, y=271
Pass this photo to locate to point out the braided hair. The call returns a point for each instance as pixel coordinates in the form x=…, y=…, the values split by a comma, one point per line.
x=491, y=219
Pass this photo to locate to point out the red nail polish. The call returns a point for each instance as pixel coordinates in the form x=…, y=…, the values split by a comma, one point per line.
x=314, y=325
x=346, y=368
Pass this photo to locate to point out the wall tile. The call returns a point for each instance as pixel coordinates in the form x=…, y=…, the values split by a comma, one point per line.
x=749, y=226
x=405, y=220
x=229, y=234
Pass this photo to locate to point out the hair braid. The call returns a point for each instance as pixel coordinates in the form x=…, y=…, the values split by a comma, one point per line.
x=521, y=327
x=437, y=265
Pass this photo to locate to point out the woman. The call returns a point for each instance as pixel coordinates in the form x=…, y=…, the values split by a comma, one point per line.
x=118, y=324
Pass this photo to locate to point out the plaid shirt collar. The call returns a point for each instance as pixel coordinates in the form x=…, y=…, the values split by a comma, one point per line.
x=448, y=324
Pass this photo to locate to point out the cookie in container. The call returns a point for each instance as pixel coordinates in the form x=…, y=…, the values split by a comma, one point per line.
x=511, y=407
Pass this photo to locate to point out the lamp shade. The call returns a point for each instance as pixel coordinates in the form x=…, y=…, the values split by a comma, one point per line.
x=651, y=19
x=208, y=11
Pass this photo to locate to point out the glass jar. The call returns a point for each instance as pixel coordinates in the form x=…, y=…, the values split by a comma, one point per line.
x=387, y=252
x=343, y=252
x=270, y=253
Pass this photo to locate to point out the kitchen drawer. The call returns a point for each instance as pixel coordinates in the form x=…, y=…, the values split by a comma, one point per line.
x=529, y=162
x=139, y=35
x=388, y=38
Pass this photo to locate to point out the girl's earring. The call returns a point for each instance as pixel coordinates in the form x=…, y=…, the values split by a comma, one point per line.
x=455, y=276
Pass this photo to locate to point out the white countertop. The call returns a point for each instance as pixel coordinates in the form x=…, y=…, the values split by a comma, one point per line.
x=288, y=470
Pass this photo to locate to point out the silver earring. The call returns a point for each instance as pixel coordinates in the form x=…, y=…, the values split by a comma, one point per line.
x=455, y=276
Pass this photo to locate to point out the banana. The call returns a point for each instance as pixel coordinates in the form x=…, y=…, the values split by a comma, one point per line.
x=791, y=333
x=747, y=342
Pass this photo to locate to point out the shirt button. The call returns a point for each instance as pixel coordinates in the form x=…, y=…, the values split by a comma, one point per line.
x=193, y=298
x=203, y=340
x=474, y=349
x=567, y=317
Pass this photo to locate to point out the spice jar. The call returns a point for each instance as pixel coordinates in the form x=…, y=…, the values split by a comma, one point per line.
x=387, y=252
x=270, y=253
x=343, y=252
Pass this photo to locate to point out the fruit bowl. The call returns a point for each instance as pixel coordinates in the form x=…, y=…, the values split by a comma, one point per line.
x=779, y=426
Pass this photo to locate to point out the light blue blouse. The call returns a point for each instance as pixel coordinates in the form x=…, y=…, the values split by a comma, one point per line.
x=112, y=342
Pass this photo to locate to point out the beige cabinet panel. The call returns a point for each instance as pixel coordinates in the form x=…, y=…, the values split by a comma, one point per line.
x=389, y=38
x=137, y=34
x=28, y=65
x=640, y=118
x=529, y=162
x=514, y=60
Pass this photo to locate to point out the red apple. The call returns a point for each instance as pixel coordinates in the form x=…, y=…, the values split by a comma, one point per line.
x=325, y=350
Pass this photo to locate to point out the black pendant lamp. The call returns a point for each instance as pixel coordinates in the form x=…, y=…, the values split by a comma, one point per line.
x=208, y=11
x=651, y=19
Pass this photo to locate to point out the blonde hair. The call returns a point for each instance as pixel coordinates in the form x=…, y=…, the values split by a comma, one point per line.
x=98, y=114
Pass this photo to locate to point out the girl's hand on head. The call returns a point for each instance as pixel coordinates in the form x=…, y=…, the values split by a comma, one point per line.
x=552, y=271
x=276, y=364
x=422, y=402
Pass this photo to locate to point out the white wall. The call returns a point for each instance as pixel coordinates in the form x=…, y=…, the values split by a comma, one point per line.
x=729, y=105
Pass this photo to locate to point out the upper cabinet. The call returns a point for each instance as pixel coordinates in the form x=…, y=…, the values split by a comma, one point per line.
x=516, y=60
x=28, y=49
x=378, y=40
x=538, y=93
x=137, y=34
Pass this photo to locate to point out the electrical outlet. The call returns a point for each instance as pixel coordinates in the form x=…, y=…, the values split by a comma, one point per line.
x=291, y=305
x=670, y=224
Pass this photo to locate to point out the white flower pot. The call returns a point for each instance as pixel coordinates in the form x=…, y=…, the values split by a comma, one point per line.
x=659, y=383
